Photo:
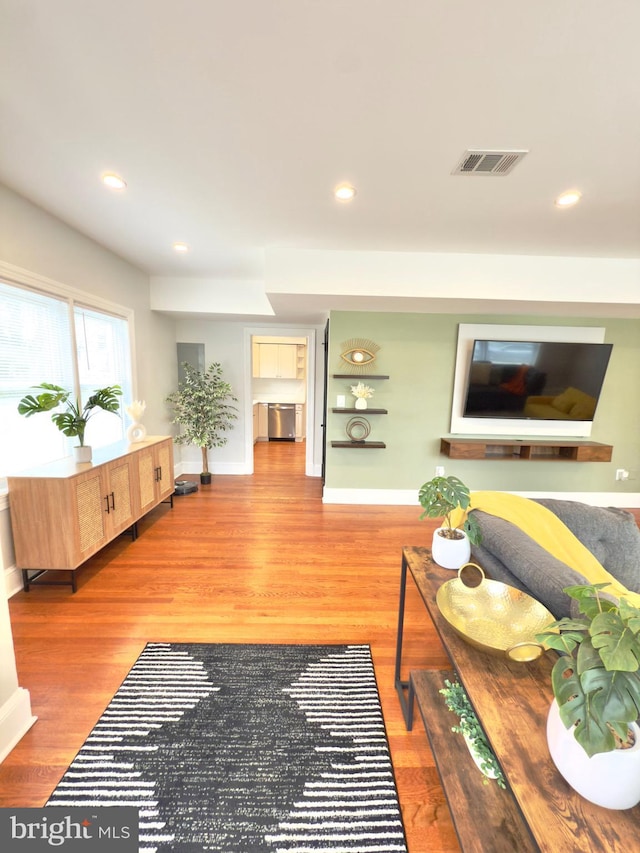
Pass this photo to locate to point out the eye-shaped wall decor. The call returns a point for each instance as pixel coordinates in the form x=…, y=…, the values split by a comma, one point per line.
x=359, y=354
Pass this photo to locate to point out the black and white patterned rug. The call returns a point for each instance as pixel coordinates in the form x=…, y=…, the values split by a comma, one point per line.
x=245, y=748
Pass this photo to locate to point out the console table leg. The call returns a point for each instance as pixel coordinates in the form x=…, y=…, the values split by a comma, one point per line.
x=403, y=688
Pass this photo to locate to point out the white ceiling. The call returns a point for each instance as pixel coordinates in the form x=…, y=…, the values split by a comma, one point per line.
x=232, y=121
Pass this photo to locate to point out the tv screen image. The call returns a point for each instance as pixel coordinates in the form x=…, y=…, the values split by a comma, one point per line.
x=535, y=380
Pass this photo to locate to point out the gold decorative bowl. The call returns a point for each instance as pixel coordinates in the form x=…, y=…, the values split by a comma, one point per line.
x=494, y=617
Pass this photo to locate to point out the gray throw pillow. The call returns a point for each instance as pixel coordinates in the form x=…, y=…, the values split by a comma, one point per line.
x=537, y=571
x=611, y=535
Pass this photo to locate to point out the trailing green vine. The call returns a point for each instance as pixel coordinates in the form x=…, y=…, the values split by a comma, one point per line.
x=457, y=701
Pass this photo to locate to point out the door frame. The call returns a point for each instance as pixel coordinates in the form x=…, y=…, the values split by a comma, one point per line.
x=311, y=436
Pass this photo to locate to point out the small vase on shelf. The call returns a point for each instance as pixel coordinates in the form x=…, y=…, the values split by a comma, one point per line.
x=361, y=392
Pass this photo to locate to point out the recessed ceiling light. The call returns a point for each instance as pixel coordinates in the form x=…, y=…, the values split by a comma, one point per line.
x=180, y=247
x=114, y=182
x=344, y=192
x=568, y=199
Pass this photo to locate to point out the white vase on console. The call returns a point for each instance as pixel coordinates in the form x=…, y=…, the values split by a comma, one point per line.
x=450, y=553
x=608, y=779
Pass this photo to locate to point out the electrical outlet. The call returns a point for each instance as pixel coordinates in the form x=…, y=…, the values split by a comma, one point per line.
x=622, y=474
x=439, y=470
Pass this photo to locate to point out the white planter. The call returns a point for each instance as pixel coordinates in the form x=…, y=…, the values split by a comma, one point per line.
x=450, y=553
x=82, y=453
x=361, y=403
x=608, y=779
x=490, y=774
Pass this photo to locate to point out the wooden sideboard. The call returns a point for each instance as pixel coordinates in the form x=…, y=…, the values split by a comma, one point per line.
x=64, y=512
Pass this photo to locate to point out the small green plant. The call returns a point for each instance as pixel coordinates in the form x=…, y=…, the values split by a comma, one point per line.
x=439, y=498
x=457, y=701
x=596, y=679
x=73, y=421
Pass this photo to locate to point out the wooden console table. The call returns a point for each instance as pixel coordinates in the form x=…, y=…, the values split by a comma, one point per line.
x=538, y=811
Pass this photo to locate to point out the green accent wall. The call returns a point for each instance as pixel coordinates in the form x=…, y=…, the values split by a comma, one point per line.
x=418, y=353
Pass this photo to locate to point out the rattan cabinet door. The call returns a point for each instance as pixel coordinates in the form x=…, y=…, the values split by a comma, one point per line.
x=119, y=496
x=155, y=474
x=145, y=459
x=90, y=505
x=164, y=477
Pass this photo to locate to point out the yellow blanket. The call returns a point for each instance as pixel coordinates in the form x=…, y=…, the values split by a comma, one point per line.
x=545, y=528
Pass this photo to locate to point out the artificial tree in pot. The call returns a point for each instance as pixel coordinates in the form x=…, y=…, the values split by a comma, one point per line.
x=202, y=407
x=73, y=421
x=596, y=684
x=440, y=497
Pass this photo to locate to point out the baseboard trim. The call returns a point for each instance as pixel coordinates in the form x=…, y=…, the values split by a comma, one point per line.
x=15, y=720
x=409, y=497
x=13, y=580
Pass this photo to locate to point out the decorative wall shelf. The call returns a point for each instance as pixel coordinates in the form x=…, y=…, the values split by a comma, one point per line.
x=363, y=412
x=359, y=445
x=530, y=450
x=357, y=376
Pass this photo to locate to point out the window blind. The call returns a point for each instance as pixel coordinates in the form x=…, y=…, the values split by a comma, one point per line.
x=102, y=342
x=35, y=347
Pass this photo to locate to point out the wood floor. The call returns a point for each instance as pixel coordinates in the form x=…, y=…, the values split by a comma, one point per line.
x=247, y=559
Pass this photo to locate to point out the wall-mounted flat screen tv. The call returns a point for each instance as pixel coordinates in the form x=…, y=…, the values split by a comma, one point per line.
x=535, y=380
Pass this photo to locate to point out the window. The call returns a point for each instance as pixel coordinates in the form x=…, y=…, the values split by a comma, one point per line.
x=49, y=338
x=102, y=346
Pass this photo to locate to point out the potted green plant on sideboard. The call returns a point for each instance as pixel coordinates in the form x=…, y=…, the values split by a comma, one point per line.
x=72, y=422
x=440, y=497
x=202, y=407
x=592, y=729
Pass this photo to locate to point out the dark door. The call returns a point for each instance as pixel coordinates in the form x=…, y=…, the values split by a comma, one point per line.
x=323, y=425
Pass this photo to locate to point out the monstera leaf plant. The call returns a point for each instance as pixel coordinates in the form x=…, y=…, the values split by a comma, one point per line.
x=72, y=421
x=439, y=498
x=596, y=679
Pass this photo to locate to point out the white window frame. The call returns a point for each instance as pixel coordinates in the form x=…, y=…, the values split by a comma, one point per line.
x=75, y=298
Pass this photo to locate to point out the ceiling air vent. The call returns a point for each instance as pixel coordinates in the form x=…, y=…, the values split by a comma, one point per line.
x=475, y=162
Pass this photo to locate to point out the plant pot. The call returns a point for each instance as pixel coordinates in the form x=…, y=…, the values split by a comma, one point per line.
x=450, y=553
x=608, y=779
x=82, y=453
x=205, y=479
x=361, y=403
x=490, y=773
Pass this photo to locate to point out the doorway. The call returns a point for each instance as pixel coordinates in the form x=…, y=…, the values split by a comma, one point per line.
x=281, y=370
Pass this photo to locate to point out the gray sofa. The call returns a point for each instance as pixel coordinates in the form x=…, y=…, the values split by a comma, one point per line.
x=509, y=555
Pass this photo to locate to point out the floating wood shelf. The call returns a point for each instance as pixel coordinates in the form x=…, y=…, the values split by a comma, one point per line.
x=357, y=376
x=359, y=445
x=530, y=450
x=362, y=412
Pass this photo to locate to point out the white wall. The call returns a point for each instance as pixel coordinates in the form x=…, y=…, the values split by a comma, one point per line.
x=37, y=243
x=230, y=345
x=33, y=240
